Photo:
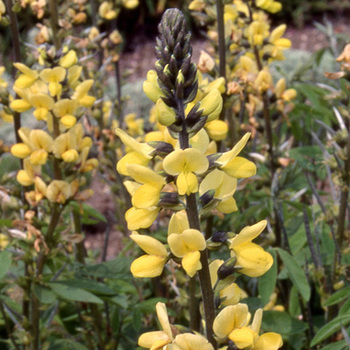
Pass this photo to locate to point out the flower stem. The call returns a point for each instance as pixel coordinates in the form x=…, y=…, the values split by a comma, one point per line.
x=54, y=23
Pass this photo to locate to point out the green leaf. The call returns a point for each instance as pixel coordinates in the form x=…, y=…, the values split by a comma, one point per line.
x=6, y=222
x=345, y=309
x=73, y=294
x=111, y=269
x=338, y=296
x=149, y=306
x=281, y=322
x=44, y=294
x=339, y=345
x=88, y=212
x=91, y=286
x=330, y=328
x=296, y=274
x=267, y=282
x=5, y=262
x=294, y=305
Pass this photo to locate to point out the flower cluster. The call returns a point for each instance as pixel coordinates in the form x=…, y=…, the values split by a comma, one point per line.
x=178, y=168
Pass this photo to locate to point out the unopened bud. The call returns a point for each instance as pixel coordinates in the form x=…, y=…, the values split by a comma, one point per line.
x=162, y=149
x=219, y=237
x=227, y=268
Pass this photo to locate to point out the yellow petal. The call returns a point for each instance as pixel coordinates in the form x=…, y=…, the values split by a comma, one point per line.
x=24, y=179
x=188, y=341
x=164, y=319
x=187, y=183
x=191, y=263
x=131, y=158
x=165, y=115
x=224, y=322
x=253, y=259
x=20, y=106
x=141, y=218
x=149, y=244
x=178, y=222
x=227, y=206
x=174, y=162
x=269, y=341
x=69, y=59
x=21, y=150
x=242, y=337
x=227, y=156
x=144, y=175
x=146, y=340
x=193, y=239
x=147, y=266
x=240, y=168
x=70, y=156
x=177, y=245
x=146, y=196
x=38, y=157
x=248, y=233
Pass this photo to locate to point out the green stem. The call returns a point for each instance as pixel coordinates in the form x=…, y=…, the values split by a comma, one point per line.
x=53, y=8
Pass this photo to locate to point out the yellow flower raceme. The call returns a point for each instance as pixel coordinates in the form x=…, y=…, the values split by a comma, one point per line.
x=187, y=245
x=234, y=166
x=159, y=339
x=252, y=260
x=186, y=164
x=152, y=264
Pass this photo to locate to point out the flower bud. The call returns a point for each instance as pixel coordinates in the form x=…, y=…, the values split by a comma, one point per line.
x=227, y=268
x=165, y=115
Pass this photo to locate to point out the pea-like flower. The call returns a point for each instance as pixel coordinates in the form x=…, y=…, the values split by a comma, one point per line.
x=187, y=245
x=152, y=264
x=158, y=339
x=234, y=166
x=186, y=164
x=252, y=259
x=54, y=77
x=233, y=323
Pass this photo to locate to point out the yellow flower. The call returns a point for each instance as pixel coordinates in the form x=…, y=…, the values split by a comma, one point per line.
x=21, y=105
x=2, y=9
x=69, y=59
x=252, y=260
x=187, y=245
x=165, y=115
x=186, y=164
x=59, y=191
x=269, y=5
x=148, y=194
x=36, y=144
x=53, y=77
x=141, y=218
x=27, y=175
x=139, y=153
x=159, y=339
x=65, y=147
x=211, y=105
x=234, y=166
x=42, y=103
x=65, y=109
x=81, y=94
x=217, y=130
x=106, y=10
x=151, y=87
x=27, y=78
x=152, y=264
x=130, y=4
x=224, y=186
x=188, y=341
